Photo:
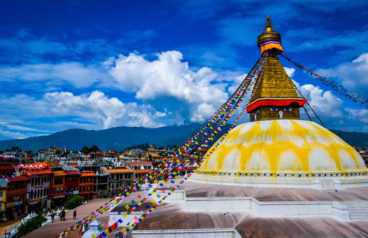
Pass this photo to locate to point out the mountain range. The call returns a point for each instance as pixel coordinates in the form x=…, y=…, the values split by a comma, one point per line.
x=119, y=138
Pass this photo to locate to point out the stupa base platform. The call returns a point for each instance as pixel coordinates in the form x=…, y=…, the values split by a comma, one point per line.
x=193, y=189
x=170, y=223
x=221, y=210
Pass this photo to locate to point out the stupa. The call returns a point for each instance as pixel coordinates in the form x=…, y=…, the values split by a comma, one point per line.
x=276, y=147
x=274, y=176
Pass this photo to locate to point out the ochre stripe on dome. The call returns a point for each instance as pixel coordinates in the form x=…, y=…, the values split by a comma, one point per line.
x=281, y=146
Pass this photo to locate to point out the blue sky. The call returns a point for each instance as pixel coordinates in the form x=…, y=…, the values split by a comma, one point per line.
x=100, y=64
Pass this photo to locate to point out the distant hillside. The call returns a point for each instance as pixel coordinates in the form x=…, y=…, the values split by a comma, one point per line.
x=114, y=138
x=354, y=138
x=122, y=137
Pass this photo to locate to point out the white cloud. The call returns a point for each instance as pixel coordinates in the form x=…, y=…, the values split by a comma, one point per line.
x=94, y=110
x=78, y=75
x=352, y=75
x=104, y=111
x=169, y=76
x=331, y=108
x=359, y=114
x=165, y=76
x=289, y=71
x=197, y=91
x=324, y=102
x=202, y=111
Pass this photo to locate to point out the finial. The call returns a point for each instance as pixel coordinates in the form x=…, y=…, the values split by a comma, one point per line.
x=268, y=24
x=269, y=39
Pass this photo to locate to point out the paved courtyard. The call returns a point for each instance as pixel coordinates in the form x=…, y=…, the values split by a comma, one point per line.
x=53, y=230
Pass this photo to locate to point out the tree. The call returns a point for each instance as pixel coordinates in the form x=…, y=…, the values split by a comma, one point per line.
x=30, y=225
x=85, y=150
x=94, y=148
x=74, y=201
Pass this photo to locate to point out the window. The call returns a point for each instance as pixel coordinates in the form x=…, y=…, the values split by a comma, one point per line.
x=58, y=180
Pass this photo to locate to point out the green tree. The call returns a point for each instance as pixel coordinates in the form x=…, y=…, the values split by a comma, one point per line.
x=85, y=150
x=94, y=148
x=74, y=201
x=30, y=225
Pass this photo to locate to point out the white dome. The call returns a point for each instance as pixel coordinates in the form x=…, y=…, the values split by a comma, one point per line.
x=281, y=146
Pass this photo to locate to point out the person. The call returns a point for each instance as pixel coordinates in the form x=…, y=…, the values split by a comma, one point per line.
x=52, y=216
x=62, y=215
x=75, y=214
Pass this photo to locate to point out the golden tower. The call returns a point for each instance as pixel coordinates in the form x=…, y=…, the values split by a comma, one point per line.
x=274, y=95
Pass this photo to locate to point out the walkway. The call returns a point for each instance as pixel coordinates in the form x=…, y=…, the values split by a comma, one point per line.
x=53, y=230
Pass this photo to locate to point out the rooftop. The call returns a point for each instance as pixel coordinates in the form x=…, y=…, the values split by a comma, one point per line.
x=119, y=170
x=88, y=174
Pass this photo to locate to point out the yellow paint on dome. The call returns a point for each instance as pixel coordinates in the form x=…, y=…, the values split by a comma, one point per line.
x=278, y=146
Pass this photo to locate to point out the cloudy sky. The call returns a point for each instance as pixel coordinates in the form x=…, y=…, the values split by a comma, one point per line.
x=100, y=64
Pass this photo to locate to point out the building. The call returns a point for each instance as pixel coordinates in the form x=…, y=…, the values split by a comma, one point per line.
x=7, y=168
x=86, y=165
x=119, y=179
x=154, y=154
x=16, y=196
x=102, y=183
x=275, y=176
x=71, y=180
x=87, y=184
x=38, y=187
x=136, y=153
x=58, y=185
x=140, y=165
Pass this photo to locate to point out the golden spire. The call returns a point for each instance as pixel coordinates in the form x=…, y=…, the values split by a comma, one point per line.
x=274, y=95
x=269, y=39
x=268, y=24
